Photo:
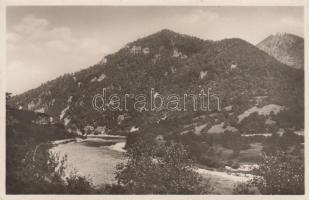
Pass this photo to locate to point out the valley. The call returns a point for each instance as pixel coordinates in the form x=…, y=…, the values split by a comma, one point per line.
x=254, y=116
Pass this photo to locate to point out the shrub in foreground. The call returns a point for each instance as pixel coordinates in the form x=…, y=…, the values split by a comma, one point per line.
x=153, y=168
x=278, y=173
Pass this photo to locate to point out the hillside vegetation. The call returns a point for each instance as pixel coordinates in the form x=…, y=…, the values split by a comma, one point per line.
x=258, y=96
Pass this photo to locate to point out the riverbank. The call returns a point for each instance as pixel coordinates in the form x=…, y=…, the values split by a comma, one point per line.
x=97, y=158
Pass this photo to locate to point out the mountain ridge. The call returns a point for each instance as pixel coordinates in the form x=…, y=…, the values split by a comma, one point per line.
x=168, y=62
x=286, y=48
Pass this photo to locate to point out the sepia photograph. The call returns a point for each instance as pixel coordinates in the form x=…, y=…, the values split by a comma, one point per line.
x=160, y=100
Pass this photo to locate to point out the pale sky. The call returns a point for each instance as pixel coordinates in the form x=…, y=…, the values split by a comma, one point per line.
x=46, y=42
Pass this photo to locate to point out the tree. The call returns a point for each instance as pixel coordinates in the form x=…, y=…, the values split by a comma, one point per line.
x=43, y=172
x=277, y=173
x=8, y=96
x=153, y=168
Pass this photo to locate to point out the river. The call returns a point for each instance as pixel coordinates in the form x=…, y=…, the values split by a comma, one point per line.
x=94, y=157
x=97, y=157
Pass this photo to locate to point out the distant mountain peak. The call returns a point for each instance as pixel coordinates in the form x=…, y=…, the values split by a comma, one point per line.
x=167, y=31
x=167, y=34
x=286, y=48
x=169, y=40
x=285, y=34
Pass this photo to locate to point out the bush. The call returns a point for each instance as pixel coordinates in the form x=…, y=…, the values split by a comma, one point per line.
x=153, y=168
x=43, y=172
x=210, y=161
x=280, y=174
x=76, y=184
x=244, y=188
x=111, y=189
x=277, y=174
x=235, y=165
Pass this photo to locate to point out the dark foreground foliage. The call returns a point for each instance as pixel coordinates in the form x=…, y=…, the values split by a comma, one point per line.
x=31, y=168
x=278, y=173
x=160, y=168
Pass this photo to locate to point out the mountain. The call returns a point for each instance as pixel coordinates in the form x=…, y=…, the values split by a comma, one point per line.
x=257, y=93
x=287, y=48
